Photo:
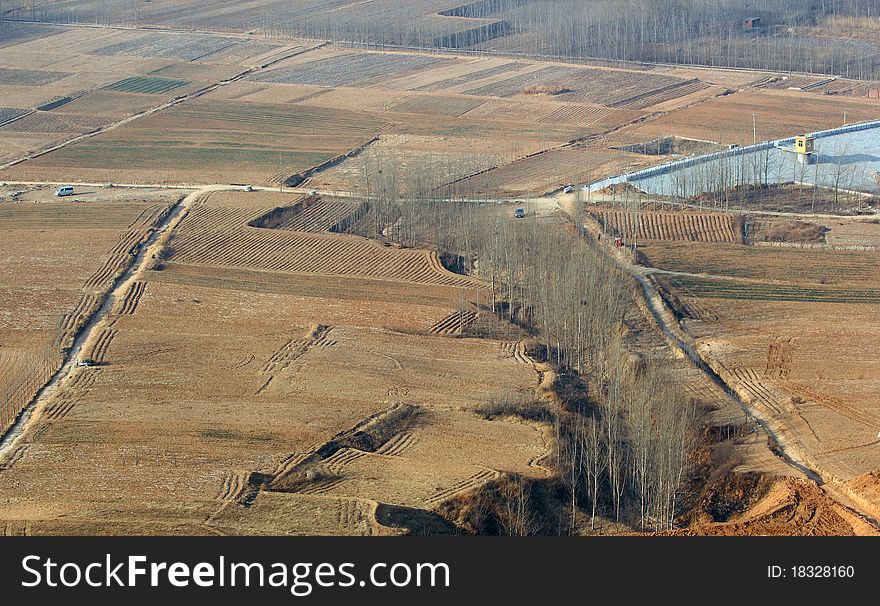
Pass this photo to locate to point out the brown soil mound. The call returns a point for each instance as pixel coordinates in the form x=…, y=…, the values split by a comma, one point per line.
x=791, y=507
x=796, y=231
x=617, y=189
x=867, y=485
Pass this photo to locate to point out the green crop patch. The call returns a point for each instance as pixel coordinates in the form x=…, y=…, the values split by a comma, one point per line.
x=145, y=85
x=731, y=289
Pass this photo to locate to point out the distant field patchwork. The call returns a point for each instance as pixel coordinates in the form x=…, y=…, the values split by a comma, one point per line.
x=217, y=141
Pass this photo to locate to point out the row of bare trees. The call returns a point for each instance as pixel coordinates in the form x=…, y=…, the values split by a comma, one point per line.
x=827, y=36
x=625, y=432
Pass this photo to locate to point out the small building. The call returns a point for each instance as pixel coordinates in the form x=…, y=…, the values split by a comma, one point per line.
x=804, y=144
x=752, y=23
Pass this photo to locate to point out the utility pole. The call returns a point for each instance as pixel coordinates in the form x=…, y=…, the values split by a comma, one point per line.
x=754, y=129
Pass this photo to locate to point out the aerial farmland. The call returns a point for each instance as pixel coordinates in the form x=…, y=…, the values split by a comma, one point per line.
x=415, y=268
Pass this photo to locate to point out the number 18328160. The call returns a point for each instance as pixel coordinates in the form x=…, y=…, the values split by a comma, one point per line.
x=811, y=572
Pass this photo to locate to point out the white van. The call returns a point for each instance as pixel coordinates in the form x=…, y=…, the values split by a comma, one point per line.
x=64, y=190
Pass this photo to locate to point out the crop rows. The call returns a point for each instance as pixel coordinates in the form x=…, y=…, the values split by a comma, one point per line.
x=399, y=444
x=29, y=77
x=661, y=95
x=209, y=217
x=82, y=382
x=280, y=250
x=581, y=115
x=454, y=323
x=615, y=88
x=348, y=69
x=849, y=88
x=314, y=215
x=71, y=322
x=790, y=82
x=730, y=289
x=515, y=85
x=758, y=262
x=191, y=47
x=132, y=298
x=240, y=52
x=55, y=104
x=475, y=481
x=43, y=122
x=145, y=85
x=690, y=227
x=437, y=105
x=11, y=113
x=471, y=77
x=270, y=118
x=20, y=386
x=118, y=259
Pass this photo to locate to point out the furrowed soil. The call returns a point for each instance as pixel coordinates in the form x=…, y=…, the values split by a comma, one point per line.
x=793, y=331
x=59, y=257
x=224, y=391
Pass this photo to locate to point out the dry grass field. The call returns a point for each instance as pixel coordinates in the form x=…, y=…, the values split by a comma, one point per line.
x=79, y=80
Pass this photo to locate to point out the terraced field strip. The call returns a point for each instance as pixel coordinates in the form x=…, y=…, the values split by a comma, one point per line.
x=398, y=445
x=326, y=254
x=130, y=302
x=50, y=123
x=454, y=323
x=733, y=289
x=314, y=215
x=690, y=227
x=343, y=457
x=55, y=104
x=207, y=217
x=145, y=85
x=275, y=119
x=470, y=483
x=666, y=93
x=579, y=114
x=633, y=90
x=837, y=404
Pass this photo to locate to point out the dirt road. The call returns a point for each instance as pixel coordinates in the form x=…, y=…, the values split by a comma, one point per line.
x=679, y=340
x=99, y=320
